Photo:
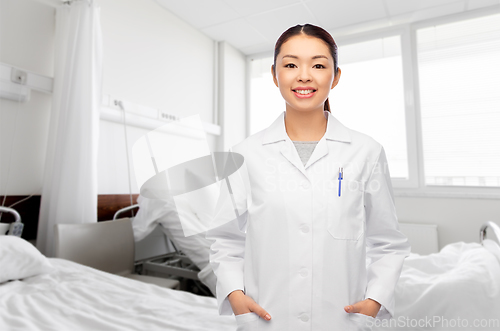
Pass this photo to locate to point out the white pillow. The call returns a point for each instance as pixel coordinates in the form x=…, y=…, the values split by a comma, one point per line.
x=19, y=259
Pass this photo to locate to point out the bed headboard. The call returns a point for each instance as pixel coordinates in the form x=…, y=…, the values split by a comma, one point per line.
x=423, y=238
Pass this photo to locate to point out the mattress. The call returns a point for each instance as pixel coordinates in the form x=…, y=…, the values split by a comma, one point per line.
x=76, y=297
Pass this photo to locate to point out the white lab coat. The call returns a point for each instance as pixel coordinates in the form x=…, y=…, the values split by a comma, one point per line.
x=307, y=252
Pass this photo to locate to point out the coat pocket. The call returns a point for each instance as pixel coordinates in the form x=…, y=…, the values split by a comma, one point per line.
x=246, y=318
x=362, y=322
x=346, y=212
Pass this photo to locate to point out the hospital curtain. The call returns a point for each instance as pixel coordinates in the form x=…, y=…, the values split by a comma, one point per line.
x=69, y=193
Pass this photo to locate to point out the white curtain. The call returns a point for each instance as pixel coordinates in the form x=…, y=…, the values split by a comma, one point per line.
x=69, y=193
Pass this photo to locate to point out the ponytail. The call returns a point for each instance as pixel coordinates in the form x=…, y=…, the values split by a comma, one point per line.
x=327, y=105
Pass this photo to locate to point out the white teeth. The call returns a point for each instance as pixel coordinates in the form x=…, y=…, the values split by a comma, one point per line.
x=304, y=91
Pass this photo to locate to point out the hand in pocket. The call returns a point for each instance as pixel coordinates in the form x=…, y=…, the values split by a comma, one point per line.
x=243, y=304
x=367, y=307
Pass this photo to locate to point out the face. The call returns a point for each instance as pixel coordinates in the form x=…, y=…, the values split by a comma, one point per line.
x=305, y=63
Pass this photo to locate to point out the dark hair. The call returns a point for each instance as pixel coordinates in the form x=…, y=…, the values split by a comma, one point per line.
x=313, y=31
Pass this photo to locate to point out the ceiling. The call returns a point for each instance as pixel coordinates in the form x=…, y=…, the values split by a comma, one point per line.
x=253, y=26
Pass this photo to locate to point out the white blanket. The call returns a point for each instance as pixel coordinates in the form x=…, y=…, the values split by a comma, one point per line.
x=461, y=284
x=75, y=297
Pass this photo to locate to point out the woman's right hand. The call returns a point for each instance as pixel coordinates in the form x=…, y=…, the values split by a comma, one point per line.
x=242, y=304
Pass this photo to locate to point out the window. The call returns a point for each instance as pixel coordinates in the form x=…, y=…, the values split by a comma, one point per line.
x=459, y=84
x=370, y=98
x=266, y=102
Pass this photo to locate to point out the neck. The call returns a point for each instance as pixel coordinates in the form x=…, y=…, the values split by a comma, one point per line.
x=305, y=126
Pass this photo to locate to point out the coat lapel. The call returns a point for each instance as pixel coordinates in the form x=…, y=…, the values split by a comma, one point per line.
x=276, y=132
x=289, y=151
x=335, y=131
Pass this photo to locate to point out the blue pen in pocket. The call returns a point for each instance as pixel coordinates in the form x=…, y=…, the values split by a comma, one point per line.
x=341, y=176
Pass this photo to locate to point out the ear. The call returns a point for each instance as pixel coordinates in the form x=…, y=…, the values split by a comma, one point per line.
x=274, y=76
x=337, y=77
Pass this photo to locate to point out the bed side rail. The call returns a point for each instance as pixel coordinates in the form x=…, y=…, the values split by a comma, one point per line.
x=15, y=228
x=124, y=210
x=489, y=225
x=17, y=217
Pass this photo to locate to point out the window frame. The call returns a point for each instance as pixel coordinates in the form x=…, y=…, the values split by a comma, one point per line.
x=414, y=185
x=424, y=190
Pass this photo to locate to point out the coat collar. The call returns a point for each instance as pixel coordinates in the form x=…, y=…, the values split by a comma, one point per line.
x=334, y=131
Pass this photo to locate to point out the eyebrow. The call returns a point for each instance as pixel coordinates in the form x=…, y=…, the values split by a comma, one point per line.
x=314, y=57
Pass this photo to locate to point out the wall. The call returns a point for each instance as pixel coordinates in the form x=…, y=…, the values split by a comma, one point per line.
x=232, y=66
x=458, y=219
x=151, y=58
x=172, y=71
x=26, y=41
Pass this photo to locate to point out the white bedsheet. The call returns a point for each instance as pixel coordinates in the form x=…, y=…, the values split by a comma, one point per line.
x=461, y=283
x=76, y=297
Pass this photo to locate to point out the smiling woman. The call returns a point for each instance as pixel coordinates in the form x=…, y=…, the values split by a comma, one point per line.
x=305, y=70
x=323, y=61
x=297, y=257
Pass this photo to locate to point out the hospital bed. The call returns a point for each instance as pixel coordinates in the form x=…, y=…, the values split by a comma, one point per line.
x=40, y=293
x=458, y=284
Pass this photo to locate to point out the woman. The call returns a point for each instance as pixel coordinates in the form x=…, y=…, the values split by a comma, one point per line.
x=322, y=248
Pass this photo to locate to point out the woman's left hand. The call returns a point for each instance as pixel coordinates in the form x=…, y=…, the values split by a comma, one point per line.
x=368, y=307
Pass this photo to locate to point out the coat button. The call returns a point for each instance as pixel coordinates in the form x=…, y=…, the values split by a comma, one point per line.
x=304, y=318
x=304, y=185
x=305, y=229
x=303, y=272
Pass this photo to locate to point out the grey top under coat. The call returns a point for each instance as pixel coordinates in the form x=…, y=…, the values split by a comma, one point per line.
x=305, y=149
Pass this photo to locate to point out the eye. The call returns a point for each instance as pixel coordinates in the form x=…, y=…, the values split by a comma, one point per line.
x=289, y=64
x=319, y=65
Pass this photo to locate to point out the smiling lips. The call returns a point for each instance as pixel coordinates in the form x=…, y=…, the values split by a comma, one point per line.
x=304, y=92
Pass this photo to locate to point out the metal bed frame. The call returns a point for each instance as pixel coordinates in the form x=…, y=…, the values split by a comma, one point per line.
x=17, y=217
x=489, y=225
x=15, y=228
x=172, y=264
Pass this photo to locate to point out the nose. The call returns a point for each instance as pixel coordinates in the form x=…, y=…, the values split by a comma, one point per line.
x=304, y=74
